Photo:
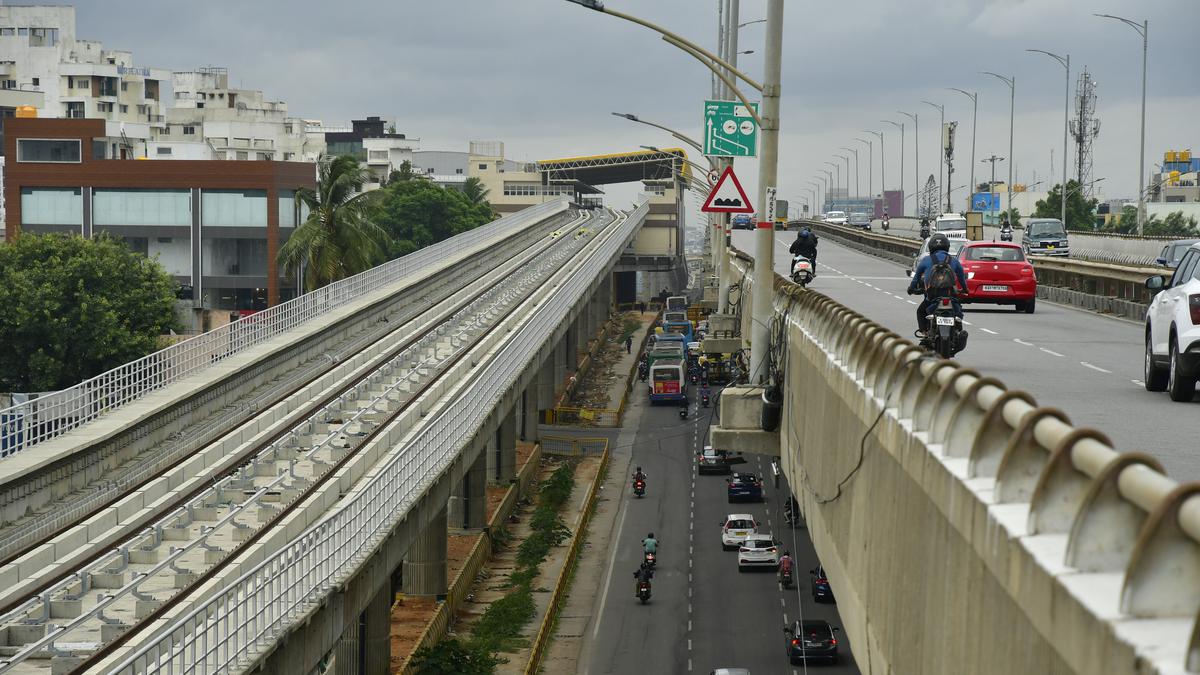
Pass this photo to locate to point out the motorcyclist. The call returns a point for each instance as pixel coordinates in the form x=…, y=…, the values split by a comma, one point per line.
x=886, y=221
x=643, y=575
x=806, y=245
x=650, y=544
x=1005, y=227
x=925, y=227
x=639, y=475
x=939, y=253
x=785, y=562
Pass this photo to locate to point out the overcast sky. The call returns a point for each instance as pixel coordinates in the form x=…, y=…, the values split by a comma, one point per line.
x=543, y=75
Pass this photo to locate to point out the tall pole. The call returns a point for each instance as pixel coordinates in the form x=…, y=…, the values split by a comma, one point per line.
x=870, y=170
x=857, y=187
x=974, y=118
x=1065, y=62
x=1012, y=107
x=1143, y=29
x=764, y=255
x=916, y=159
x=992, y=185
x=900, y=126
x=828, y=200
x=882, y=168
x=837, y=184
x=941, y=151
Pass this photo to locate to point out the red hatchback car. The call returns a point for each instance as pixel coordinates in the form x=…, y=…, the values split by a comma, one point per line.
x=998, y=273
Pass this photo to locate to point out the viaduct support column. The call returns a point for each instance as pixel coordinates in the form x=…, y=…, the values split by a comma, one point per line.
x=506, y=444
x=571, y=347
x=425, y=563
x=475, y=490
x=547, y=380
x=376, y=634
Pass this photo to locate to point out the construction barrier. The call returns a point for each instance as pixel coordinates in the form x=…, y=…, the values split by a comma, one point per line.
x=569, y=446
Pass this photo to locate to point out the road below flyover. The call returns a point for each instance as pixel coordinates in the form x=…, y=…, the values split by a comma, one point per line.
x=1087, y=364
x=704, y=614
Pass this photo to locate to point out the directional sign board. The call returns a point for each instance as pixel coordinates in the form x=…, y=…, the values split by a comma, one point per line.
x=730, y=129
x=727, y=196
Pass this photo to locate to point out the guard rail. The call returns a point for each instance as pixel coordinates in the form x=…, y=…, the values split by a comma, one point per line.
x=26, y=424
x=229, y=629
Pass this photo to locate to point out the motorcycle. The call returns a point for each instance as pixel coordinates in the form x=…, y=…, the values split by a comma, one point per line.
x=924, y=231
x=885, y=224
x=704, y=399
x=650, y=560
x=639, y=487
x=802, y=270
x=944, y=333
x=643, y=591
x=683, y=412
x=1006, y=234
x=643, y=371
x=785, y=576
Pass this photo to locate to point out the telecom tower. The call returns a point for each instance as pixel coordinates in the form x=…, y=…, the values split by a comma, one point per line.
x=1084, y=128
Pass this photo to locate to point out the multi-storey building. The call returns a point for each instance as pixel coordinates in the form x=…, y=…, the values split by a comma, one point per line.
x=374, y=142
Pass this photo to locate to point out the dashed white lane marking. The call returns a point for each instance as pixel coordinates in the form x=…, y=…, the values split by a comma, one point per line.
x=1050, y=352
x=966, y=323
x=1085, y=364
x=1022, y=342
x=911, y=302
x=1138, y=383
x=991, y=332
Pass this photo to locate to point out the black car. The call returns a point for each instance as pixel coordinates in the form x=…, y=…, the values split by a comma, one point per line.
x=1173, y=252
x=1045, y=236
x=821, y=591
x=811, y=640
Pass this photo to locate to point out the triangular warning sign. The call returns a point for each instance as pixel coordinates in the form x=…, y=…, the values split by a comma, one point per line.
x=727, y=196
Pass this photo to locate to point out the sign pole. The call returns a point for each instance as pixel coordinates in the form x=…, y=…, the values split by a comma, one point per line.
x=764, y=250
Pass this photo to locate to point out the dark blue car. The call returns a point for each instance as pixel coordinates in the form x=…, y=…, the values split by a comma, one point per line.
x=745, y=487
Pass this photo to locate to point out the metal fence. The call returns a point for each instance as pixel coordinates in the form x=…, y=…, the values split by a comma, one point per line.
x=571, y=446
x=232, y=628
x=53, y=414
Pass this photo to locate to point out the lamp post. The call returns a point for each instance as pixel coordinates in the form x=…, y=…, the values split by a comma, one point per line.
x=856, y=184
x=828, y=177
x=870, y=167
x=1143, y=29
x=816, y=186
x=846, y=159
x=837, y=184
x=992, y=185
x=1012, y=103
x=974, y=118
x=1065, y=61
x=916, y=157
x=882, y=175
x=941, y=151
x=900, y=126
x=678, y=135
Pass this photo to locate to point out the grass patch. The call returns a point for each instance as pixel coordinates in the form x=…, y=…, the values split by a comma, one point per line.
x=628, y=328
x=499, y=629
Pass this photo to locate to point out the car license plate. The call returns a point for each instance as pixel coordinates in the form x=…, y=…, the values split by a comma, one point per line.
x=1049, y=245
x=945, y=321
x=996, y=289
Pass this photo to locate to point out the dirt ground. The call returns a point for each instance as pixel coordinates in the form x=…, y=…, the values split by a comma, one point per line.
x=593, y=391
x=411, y=614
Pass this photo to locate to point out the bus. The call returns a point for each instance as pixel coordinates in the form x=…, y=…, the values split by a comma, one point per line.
x=683, y=328
x=668, y=380
x=667, y=346
x=677, y=303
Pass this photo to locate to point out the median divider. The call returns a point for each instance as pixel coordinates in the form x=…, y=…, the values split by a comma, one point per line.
x=538, y=647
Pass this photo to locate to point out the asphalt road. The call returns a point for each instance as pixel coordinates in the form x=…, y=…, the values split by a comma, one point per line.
x=1087, y=364
x=703, y=614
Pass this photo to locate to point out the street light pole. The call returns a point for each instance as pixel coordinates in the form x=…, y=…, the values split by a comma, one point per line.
x=1065, y=61
x=1012, y=103
x=856, y=184
x=941, y=151
x=974, y=118
x=882, y=164
x=827, y=200
x=916, y=158
x=837, y=184
x=870, y=171
x=1143, y=29
x=900, y=126
x=992, y=185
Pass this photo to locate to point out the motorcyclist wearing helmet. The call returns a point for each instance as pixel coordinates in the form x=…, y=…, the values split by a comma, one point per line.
x=939, y=252
x=639, y=474
x=925, y=227
x=806, y=245
x=650, y=544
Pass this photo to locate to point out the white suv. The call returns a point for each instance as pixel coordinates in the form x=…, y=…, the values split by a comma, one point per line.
x=736, y=528
x=836, y=218
x=1173, y=330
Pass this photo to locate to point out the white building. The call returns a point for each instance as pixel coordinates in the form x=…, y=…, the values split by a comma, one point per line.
x=443, y=167
x=77, y=78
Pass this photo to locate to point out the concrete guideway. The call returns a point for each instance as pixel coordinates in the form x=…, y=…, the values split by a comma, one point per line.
x=401, y=383
x=402, y=493
x=906, y=464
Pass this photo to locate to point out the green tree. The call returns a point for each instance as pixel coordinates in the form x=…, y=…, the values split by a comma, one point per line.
x=454, y=657
x=74, y=308
x=1081, y=213
x=337, y=240
x=1014, y=216
x=1173, y=225
x=417, y=213
x=474, y=191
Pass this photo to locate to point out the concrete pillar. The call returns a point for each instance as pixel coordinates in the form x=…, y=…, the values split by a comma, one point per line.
x=506, y=447
x=530, y=414
x=348, y=654
x=583, y=333
x=547, y=380
x=475, y=492
x=376, y=635
x=561, y=358
x=425, y=562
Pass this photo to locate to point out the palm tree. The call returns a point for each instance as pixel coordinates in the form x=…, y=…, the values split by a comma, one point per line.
x=474, y=191
x=337, y=239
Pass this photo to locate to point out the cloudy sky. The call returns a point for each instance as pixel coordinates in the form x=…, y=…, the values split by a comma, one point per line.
x=543, y=75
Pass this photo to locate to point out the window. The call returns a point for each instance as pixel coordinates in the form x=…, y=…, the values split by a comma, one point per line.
x=458, y=171
x=37, y=81
x=99, y=149
x=51, y=206
x=483, y=167
x=243, y=155
x=82, y=83
x=200, y=104
x=287, y=208
x=22, y=31
x=237, y=208
x=995, y=253
x=124, y=108
x=141, y=207
x=378, y=155
x=124, y=86
x=264, y=156
x=5, y=32
x=39, y=150
x=189, y=131
x=163, y=151
x=1186, y=266
x=10, y=84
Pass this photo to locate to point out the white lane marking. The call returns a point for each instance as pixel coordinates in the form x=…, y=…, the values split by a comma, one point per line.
x=612, y=561
x=1022, y=342
x=966, y=323
x=1138, y=383
x=992, y=332
x=1085, y=364
x=1050, y=352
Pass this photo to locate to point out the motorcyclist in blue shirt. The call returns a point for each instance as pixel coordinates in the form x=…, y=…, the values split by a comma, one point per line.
x=923, y=282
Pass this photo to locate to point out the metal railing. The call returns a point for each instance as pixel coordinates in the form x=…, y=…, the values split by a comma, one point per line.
x=49, y=416
x=247, y=616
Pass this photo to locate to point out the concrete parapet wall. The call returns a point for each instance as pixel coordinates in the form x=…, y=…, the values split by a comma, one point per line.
x=967, y=530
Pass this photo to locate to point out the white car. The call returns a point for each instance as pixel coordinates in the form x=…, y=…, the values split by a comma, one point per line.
x=736, y=528
x=1173, y=330
x=952, y=225
x=836, y=217
x=758, y=550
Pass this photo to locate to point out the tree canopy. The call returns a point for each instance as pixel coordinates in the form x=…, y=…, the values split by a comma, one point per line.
x=74, y=308
x=417, y=212
x=1081, y=213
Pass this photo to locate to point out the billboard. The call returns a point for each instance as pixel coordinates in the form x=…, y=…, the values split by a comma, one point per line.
x=985, y=201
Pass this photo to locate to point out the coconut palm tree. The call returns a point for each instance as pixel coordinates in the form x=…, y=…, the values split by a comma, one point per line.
x=474, y=190
x=337, y=239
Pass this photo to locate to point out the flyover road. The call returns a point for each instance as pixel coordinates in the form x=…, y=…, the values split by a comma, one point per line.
x=1087, y=364
x=703, y=613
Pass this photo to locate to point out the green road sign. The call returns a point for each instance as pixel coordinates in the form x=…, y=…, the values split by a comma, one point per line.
x=729, y=129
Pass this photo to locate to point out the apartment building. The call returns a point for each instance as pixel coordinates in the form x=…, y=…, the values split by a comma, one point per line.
x=215, y=225
x=374, y=142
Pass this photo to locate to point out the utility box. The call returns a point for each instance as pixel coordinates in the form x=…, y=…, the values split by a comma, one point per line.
x=974, y=225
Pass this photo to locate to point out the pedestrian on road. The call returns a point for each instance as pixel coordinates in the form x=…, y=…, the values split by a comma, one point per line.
x=629, y=344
